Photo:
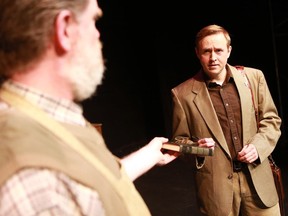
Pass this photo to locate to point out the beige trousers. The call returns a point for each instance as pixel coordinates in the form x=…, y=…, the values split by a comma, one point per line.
x=246, y=201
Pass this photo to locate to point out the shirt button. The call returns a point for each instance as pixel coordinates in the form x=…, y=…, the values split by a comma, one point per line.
x=235, y=138
x=226, y=104
x=231, y=121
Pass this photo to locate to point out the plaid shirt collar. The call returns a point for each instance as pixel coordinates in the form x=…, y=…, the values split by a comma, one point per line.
x=60, y=109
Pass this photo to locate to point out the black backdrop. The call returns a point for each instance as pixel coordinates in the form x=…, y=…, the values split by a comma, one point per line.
x=148, y=48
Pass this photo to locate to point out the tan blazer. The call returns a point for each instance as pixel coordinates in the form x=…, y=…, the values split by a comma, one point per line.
x=193, y=114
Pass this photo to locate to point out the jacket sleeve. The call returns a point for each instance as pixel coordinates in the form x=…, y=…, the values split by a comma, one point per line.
x=179, y=121
x=180, y=126
x=269, y=122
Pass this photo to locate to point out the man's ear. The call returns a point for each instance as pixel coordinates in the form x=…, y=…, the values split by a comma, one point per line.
x=196, y=52
x=229, y=50
x=63, y=34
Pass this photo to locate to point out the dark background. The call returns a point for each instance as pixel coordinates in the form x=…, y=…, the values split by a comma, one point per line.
x=149, y=48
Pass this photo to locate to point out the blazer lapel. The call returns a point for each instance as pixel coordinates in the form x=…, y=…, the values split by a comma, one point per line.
x=247, y=106
x=204, y=104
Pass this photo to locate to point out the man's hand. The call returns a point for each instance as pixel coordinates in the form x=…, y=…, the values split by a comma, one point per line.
x=206, y=142
x=142, y=160
x=248, y=154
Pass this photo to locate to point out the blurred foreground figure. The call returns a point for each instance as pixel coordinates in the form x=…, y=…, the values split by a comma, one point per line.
x=52, y=161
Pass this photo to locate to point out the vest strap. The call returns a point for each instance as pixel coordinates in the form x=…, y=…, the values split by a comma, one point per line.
x=40, y=116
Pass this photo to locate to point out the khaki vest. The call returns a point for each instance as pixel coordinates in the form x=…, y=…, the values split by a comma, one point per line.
x=26, y=143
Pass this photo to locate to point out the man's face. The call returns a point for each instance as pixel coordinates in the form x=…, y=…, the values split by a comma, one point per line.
x=213, y=54
x=88, y=66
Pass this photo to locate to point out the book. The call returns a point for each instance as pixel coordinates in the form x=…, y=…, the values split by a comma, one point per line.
x=186, y=146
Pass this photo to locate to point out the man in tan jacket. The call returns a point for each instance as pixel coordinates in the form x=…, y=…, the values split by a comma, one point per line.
x=233, y=112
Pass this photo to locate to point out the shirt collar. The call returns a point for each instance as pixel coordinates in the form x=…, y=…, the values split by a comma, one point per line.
x=61, y=109
x=229, y=78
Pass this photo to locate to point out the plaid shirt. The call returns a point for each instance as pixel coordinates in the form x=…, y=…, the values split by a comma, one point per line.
x=45, y=192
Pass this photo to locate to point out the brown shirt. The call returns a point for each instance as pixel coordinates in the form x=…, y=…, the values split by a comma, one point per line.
x=226, y=102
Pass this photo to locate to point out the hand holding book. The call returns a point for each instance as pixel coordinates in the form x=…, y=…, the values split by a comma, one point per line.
x=186, y=146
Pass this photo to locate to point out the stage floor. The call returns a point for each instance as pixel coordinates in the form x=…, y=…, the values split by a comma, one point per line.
x=169, y=191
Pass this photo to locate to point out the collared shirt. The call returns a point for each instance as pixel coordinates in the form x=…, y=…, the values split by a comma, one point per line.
x=226, y=102
x=29, y=191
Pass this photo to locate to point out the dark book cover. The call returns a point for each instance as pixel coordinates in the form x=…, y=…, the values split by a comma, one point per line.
x=186, y=146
